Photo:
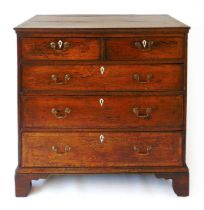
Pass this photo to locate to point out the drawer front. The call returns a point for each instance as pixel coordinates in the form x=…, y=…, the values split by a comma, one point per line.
x=67, y=49
x=161, y=77
x=140, y=112
x=144, y=48
x=85, y=149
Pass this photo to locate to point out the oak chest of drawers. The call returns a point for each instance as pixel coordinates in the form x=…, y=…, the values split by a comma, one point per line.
x=102, y=94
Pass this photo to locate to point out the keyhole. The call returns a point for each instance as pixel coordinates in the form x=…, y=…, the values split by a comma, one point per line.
x=144, y=43
x=101, y=137
x=101, y=101
x=102, y=70
x=60, y=43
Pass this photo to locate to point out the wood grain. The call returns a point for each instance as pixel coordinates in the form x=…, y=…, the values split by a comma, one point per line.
x=79, y=49
x=108, y=41
x=101, y=21
x=87, y=149
x=116, y=112
x=38, y=78
x=102, y=170
x=125, y=49
x=180, y=182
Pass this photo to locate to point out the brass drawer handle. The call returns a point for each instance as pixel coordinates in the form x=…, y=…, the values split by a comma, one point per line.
x=58, y=115
x=138, y=150
x=55, y=149
x=55, y=78
x=143, y=113
x=60, y=45
x=137, y=77
x=144, y=44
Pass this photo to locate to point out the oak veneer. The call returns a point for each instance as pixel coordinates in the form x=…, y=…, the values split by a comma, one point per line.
x=39, y=78
x=76, y=49
x=166, y=112
x=102, y=94
x=130, y=48
x=118, y=149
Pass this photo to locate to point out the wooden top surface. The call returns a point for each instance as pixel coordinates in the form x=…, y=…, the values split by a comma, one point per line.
x=101, y=22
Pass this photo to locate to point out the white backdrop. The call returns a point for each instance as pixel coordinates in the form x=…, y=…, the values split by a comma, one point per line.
x=103, y=191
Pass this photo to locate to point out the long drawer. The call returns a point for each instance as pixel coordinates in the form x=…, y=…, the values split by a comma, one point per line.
x=139, y=112
x=160, y=77
x=94, y=149
x=60, y=48
x=144, y=48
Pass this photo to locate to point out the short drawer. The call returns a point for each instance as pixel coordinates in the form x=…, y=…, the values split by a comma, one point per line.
x=162, y=77
x=139, y=112
x=101, y=149
x=60, y=49
x=144, y=48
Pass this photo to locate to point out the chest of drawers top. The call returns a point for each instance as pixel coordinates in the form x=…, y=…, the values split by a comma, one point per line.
x=138, y=22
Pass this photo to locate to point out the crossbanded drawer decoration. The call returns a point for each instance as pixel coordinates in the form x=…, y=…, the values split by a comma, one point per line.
x=88, y=150
x=56, y=49
x=102, y=94
x=146, y=112
x=158, y=77
x=142, y=48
